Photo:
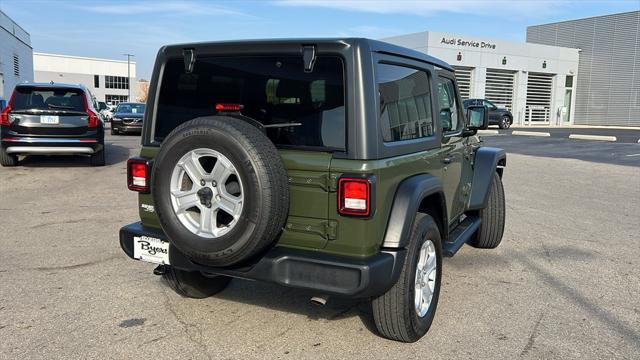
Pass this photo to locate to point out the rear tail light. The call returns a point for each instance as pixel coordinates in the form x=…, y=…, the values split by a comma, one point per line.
x=138, y=174
x=354, y=196
x=93, y=119
x=4, y=115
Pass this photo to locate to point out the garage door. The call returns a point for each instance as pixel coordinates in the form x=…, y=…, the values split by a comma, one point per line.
x=463, y=77
x=499, y=88
x=539, y=97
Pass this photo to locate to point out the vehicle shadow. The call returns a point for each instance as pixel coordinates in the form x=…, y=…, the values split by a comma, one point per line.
x=281, y=298
x=114, y=154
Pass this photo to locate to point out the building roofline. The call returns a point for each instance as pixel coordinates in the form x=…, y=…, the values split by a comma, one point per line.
x=14, y=22
x=82, y=57
x=585, y=18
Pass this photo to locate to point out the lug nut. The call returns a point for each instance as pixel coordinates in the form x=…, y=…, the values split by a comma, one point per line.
x=214, y=183
x=217, y=197
x=202, y=182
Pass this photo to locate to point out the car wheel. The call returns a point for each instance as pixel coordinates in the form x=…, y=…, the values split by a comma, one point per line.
x=505, y=122
x=489, y=235
x=8, y=159
x=97, y=159
x=220, y=190
x=193, y=284
x=406, y=311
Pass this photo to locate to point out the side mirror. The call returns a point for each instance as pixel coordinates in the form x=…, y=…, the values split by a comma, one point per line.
x=493, y=108
x=478, y=118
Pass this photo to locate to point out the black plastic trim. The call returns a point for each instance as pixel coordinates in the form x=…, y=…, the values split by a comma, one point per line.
x=484, y=165
x=326, y=273
x=407, y=201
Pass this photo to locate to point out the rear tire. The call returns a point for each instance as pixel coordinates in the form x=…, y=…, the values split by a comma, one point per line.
x=489, y=235
x=97, y=159
x=8, y=159
x=395, y=313
x=193, y=284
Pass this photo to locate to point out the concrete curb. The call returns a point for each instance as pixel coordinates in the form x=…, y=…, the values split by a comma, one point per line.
x=592, y=137
x=530, y=133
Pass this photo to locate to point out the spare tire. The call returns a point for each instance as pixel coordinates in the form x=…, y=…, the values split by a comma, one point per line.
x=220, y=190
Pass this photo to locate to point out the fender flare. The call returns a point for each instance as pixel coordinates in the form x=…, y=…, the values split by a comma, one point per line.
x=406, y=203
x=484, y=165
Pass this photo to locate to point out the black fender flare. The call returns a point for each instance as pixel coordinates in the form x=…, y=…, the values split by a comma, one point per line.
x=484, y=165
x=406, y=204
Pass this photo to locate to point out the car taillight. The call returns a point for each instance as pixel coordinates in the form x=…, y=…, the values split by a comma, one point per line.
x=354, y=196
x=138, y=173
x=93, y=119
x=228, y=107
x=4, y=115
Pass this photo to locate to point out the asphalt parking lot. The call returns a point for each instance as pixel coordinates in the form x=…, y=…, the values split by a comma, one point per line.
x=563, y=284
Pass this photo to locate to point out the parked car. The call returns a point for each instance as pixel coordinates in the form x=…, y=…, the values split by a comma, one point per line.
x=497, y=116
x=51, y=119
x=347, y=167
x=127, y=118
x=107, y=113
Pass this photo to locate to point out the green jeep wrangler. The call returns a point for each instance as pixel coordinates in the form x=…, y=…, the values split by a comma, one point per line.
x=345, y=166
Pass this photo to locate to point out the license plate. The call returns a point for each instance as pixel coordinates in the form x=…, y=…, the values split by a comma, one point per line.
x=151, y=249
x=49, y=119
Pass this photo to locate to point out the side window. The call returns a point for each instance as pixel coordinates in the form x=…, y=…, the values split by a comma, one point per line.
x=405, y=103
x=449, y=110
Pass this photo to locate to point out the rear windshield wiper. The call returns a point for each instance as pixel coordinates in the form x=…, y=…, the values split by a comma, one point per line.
x=61, y=107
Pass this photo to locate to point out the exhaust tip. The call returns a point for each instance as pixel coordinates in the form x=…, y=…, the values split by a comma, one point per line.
x=319, y=300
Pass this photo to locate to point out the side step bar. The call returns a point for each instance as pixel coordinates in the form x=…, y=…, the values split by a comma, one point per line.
x=460, y=235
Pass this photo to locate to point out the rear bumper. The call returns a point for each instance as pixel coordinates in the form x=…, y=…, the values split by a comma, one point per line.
x=43, y=145
x=322, y=272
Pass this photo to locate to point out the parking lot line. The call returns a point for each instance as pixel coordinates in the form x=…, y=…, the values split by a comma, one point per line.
x=530, y=133
x=592, y=137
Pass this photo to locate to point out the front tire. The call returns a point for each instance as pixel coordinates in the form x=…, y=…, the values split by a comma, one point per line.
x=402, y=313
x=505, y=122
x=8, y=159
x=489, y=235
x=193, y=284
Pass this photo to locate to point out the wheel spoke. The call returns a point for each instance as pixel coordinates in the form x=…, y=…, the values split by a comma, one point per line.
x=206, y=220
x=229, y=204
x=221, y=171
x=192, y=167
x=185, y=199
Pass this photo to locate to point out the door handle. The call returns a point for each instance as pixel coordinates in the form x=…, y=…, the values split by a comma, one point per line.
x=446, y=161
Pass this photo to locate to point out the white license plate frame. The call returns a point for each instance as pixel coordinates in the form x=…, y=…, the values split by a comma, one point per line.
x=150, y=249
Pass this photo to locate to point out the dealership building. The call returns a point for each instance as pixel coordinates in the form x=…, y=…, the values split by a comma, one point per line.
x=107, y=79
x=16, y=56
x=582, y=72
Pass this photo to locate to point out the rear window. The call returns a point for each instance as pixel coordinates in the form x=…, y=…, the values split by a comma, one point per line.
x=130, y=108
x=32, y=98
x=299, y=109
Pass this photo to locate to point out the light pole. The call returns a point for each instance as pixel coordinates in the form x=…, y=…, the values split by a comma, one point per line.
x=129, y=56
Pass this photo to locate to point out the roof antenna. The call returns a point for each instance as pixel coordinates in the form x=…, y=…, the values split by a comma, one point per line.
x=189, y=60
x=309, y=57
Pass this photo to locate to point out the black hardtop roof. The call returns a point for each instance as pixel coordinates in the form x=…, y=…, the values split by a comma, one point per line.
x=52, y=85
x=373, y=45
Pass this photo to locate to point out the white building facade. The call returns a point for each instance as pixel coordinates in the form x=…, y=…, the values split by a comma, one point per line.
x=108, y=80
x=16, y=56
x=535, y=82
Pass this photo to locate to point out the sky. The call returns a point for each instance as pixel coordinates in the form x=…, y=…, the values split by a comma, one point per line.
x=109, y=29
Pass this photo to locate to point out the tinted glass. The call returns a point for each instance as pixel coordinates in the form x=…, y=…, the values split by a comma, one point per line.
x=449, y=109
x=298, y=109
x=32, y=98
x=405, y=103
x=130, y=108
